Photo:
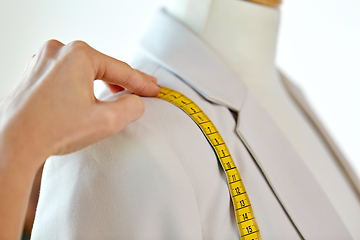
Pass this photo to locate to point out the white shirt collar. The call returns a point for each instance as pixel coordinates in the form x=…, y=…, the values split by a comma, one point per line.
x=176, y=48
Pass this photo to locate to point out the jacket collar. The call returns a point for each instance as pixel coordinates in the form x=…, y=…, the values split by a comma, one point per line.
x=180, y=51
x=176, y=48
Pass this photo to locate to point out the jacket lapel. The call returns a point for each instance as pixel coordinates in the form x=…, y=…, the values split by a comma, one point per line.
x=300, y=100
x=289, y=178
x=175, y=48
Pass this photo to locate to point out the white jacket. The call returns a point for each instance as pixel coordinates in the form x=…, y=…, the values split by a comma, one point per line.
x=160, y=179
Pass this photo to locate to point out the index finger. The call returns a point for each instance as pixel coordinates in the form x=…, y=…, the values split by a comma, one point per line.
x=116, y=72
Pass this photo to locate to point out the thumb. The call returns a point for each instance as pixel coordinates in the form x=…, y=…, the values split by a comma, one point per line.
x=126, y=109
x=106, y=119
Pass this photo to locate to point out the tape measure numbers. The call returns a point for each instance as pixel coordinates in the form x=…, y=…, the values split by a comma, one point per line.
x=244, y=213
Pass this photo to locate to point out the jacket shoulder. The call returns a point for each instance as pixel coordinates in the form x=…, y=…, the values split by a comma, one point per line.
x=126, y=186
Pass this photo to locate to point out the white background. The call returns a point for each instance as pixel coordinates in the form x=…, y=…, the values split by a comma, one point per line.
x=319, y=47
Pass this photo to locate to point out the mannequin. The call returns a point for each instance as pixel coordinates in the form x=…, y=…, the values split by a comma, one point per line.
x=244, y=35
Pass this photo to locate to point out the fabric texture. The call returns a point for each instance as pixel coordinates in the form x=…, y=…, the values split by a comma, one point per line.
x=160, y=179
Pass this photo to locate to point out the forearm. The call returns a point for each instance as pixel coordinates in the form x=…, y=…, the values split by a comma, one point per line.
x=16, y=178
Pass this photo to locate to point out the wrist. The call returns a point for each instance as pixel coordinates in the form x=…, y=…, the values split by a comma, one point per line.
x=20, y=157
x=17, y=173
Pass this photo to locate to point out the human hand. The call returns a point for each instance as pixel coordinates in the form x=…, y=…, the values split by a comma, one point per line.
x=52, y=110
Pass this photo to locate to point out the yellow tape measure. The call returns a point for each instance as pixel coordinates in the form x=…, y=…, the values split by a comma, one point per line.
x=244, y=213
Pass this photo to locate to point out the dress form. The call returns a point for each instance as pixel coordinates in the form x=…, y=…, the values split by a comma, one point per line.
x=244, y=35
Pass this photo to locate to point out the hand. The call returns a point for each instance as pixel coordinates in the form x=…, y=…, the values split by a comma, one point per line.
x=52, y=110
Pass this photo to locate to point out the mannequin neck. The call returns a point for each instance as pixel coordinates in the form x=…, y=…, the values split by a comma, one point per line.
x=244, y=34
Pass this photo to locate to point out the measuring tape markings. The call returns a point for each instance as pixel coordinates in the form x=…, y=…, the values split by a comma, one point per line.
x=244, y=213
